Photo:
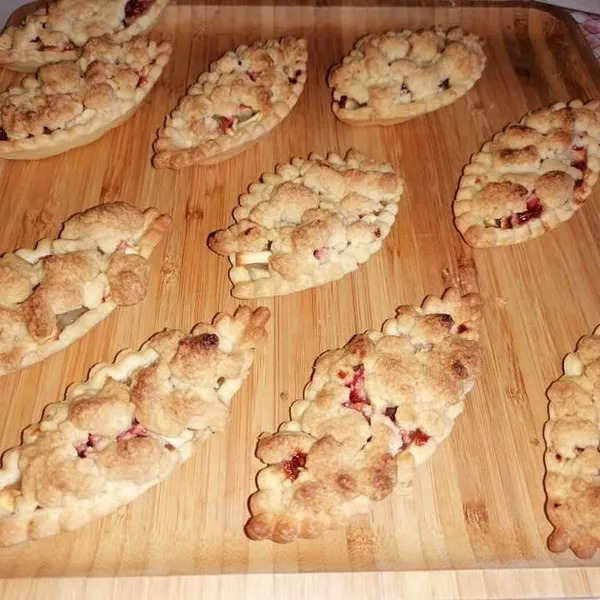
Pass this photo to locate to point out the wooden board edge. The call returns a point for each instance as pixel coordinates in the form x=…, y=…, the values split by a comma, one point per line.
x=426, y=585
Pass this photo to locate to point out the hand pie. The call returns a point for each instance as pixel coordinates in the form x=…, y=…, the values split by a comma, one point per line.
x=73, y=103
x=372, y=411
x=572, y=457
x=126, y=428
x=531, y=177
x=54, y=294
x=55, y=31
x=311, y=222
x=245, y=94
x=394, y=77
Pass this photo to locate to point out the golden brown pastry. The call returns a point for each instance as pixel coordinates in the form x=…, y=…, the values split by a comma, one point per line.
x=126, y=428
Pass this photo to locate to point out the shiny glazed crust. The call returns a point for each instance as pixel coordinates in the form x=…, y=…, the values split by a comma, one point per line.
x=55, y=31
x=54, y=294
x=309, y=223
x=245, y=94
x=531, y=177
x=572, y=458
x=394, y=77
x=126, y=428
x=372, y=411
x=70, y=104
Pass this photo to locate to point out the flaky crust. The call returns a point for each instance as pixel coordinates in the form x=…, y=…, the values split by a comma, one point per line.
x=372, y=411
x=52, y=295
x=245, y=94
x=72, y=103
x=126, y=428
x=309, y=223
x=55, y=31
x=531, y=177
x=572, y=458
x=394, y=77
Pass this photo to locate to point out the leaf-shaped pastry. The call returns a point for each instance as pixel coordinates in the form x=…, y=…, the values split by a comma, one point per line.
x=394, y=77
x=54, y=31
x=73, y=103
x=309, y=223
x=126, y=428
x=372, y=411
x=54, y=294
x=245, y=93
x=572, y=457
x=531, y=177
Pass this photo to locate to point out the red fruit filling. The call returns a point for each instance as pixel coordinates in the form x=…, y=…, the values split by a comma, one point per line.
x=534, y=211
x=322, y=254
x=419, y=438
x=135, y=9
x=3, y=135
x=253, y=75
x=461, y=328
x=292, y=466
x=83, y=448
x=358, y=394
x=226, y=123
x=390, y=413
x=142, y=81
x=377, y=233
x=136, y=430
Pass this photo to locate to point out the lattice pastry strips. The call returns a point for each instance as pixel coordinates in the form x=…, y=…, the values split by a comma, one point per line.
x=310, y=223
x=126, y=428
x=531, y=177
x=394, y=77
x=372, y=411
x=572, y=457
x=54, y=294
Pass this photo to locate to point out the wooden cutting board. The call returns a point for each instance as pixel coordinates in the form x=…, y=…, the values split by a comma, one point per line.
x=479, y=502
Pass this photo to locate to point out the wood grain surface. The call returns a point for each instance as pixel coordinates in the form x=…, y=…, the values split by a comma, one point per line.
x=478, y=504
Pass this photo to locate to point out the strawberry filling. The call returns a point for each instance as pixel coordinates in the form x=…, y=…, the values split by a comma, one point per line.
x=359, y=400
x=135, y=9
x=84, y=447
x=292, y=466
x=534, y=211
x=253, y=75
x=226, y=123
x=136, y=430
x=3, y=135
x=322, y=254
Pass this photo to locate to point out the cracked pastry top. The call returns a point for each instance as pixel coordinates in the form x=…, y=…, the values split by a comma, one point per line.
x=54, y=294
x=394, y=77
x=245, y=94
x=55, y=31
x=572, y=457
x=372, y=411
x=309, y=223
x=126, y=428
x=531, y=177
x=72, y=103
